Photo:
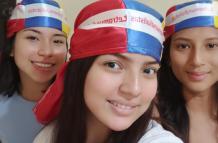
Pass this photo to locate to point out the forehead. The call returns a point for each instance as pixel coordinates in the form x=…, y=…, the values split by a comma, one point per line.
x=197, y=33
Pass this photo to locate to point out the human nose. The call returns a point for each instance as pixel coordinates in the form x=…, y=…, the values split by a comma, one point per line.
x=196, y=57
x=45, y=49
x=130, y=86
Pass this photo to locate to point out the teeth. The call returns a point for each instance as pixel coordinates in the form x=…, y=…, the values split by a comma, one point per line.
x=43, y=65
x=122, y=106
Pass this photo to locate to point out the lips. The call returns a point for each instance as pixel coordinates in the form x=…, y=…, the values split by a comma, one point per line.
x=121, y=108
x=197, y=76
x=43, y=66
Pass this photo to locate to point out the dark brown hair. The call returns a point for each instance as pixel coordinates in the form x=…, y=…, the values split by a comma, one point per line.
x=9, y=77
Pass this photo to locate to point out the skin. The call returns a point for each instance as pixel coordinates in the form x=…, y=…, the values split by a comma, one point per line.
x=118, y=90
x=38, y=53
x=194, y=61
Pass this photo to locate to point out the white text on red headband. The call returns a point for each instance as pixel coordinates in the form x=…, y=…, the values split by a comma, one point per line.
x=126, y=18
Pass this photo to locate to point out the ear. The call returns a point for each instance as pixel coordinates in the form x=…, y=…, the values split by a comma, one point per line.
x=12, y=53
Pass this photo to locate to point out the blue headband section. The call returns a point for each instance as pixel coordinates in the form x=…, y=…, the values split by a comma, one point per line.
x=50, y=2
x=202, y=13
x=37, y=13
x=140, y=42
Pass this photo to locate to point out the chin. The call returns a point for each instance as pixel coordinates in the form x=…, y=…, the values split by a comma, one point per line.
x=120, y=126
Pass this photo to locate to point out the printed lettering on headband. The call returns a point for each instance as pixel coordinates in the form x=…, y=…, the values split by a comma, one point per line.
x=192, y=11
x=126, y=18
x=34, y=10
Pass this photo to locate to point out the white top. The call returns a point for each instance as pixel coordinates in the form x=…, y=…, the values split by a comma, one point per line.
x=155, y=134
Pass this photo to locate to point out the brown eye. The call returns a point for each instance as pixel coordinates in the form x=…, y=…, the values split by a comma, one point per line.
x=150, y=71
x=112, y=65
x=58, y=41
x=212, y=45
x=32, y=38
x=183, y=46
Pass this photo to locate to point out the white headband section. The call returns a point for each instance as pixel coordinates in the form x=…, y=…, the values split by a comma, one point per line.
x=126, y=18
x=191, y=11
x=38, y=9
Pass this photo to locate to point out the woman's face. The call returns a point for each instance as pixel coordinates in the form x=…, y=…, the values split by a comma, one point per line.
x=194, y=58
x=119, y=89
x=38, y=53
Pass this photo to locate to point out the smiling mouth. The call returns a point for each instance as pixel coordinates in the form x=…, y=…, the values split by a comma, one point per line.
x=42, y=65
x=121, y=106
x=197, y=76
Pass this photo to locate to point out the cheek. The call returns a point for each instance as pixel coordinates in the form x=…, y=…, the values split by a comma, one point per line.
x=20, y=54
x=23, y=50
x=177, y=60
x=215, y=67
x=99, y=82
x=177, y=65
x=150, y=90
x=214, y=62
x=61, y=55
x=93, y=81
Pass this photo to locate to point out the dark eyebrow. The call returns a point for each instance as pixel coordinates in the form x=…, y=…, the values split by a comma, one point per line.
x=122, y=57
x=181, y=38
x=190, y=40
x=60, y=35
x=33, y=30
x=212, y=38
x=152, y=62
x=38, y=32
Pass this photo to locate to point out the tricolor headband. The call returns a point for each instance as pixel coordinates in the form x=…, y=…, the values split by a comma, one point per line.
x=106, y=27
x=203, y=13
x=117, y=26
x=37, y=13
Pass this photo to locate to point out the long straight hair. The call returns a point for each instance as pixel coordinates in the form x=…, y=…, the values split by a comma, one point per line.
x=9, y=74
x=171, y=102
x=71, y=124
x=9, y=77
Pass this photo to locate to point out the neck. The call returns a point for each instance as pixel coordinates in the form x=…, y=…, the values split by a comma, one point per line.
x=31, y=90
x=97, y=132
x=200, y=103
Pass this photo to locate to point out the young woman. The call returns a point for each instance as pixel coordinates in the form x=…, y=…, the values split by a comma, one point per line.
x=29, y=62
x=188, y=93
x=110, y=81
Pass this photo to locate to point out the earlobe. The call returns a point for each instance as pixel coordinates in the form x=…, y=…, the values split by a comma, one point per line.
x=12, y=53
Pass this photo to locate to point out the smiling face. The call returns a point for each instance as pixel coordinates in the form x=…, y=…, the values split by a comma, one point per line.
x=38, y=53
x=194, y=58
x=119, y=89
